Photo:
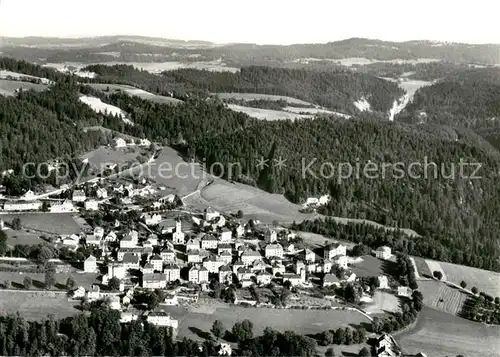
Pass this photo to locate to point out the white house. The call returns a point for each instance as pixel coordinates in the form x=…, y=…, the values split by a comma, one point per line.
x=94, y=293
x=225, y=257
x=194, y=256
x=22, y=206
x=66, y=206
x=161, y=318
x=225, y=275
x=309, y=255
x=148, y=268
x=99, y=232
x=274, y=250
x=93, y=240
x=240, y=230
x=329, y=280
x=116, y=270
x=383, y=282
x=323, y=200
x=151, y=220
x=130, y=240
x=294, y=279
x=334, y=249
x=383, y=252
x=193, y=244
x=157, y=263
x=91, y=205
x=249, y=256
x=212, y=264
x=167, y=255
x=154, y=281
x=340, y=260
x=210, y=214
x=110, y=237
x=225, y=235
x=225, y=349
x=71, y=242
x=119, y=143
x=404, y=291
x=263, y=278
x=172, y=272
x=198, y=275
x=79, y=196
x=209, y=242
x=90, y=264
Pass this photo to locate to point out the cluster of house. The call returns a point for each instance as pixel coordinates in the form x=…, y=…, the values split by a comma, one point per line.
x=119, y=142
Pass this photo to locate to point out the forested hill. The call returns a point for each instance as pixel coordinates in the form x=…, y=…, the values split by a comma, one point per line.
x=468, y=98
x=460, y=214
x=336, y=90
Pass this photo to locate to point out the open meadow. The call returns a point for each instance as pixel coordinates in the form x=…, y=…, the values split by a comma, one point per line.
x=268, y=114
x=37, y=305
x=107, y=156
x=434, y=291
x=16, y=279
x=382, y=303
x=301, y=321
x=130, y=90
x=483, y=280
x=258, y=96
x=48, y=223
x=439, y=334
x=8, y=87
x=369, y=266
x=22, y=237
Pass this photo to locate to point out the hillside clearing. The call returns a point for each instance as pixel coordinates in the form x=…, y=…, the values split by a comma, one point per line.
x=314, y=111
x=311, y=321
x=100, y=107
x=37, y=305
x=258, y=96
x=484, y=280
x=268, y=114
x=382, y=303
x=135, y=92
x=8, y=87
x=20, y=76
x=439, y=334
x=49, y=223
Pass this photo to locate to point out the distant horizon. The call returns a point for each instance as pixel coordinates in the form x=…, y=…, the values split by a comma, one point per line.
x=262, y=22
x=83, y=37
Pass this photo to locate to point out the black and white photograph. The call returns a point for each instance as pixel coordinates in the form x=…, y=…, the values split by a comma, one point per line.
x=260, y=179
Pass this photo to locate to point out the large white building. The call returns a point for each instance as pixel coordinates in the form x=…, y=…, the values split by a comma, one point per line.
x=154, y=281
x=334, y=249
x=274, y=250
x=79, y=196
x=383, y=252
x=65, y=206
x=172, y=272
x=90, y=264
x=22, y=206
x=91, y=205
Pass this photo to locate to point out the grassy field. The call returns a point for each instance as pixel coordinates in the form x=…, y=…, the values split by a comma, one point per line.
x=484, y=280
x=109, y=156
x=255, y=203
x=9, y=87
x=439, y=334
x=130, y=90
x=36, y=305
x=370, y=266
x=268, y=114
x=382, y=303
x=433, y=291
x=422, y=267
x=22, y=237
x=16, y=279
x=49, y=223
x=301, y=321
x=256, y=96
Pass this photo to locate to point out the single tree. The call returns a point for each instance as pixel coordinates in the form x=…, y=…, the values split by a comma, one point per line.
x=50, y=276
x=27, y=282
x=70, y=283
x=239, y=214
x=437, y=274
x=497, y=300
x=463, y=284
x=474, y=290
x=330, y=352
x=6, y=284
x=16, y=224
x=218, y=329
x=327, y=338
x=114, y=283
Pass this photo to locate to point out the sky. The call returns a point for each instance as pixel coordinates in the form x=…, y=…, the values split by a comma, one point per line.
x=256, y=21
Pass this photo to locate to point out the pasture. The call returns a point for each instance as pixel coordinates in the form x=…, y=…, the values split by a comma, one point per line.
x=314, y=111
x=257, y=96
x=192, y=324
x=130, y=90
x=434, y=291
x=22, y=237
x=382, y=303
x=422, y=267
x=370, y=266
x=484, y=280
x=439, y=334
x=48, y=223
x=255, y=203
x=8, y=87
x=268, y=114
x=37, y=305
x=107, y=156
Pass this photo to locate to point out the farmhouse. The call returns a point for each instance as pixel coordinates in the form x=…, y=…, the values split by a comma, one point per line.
x=274, y=250
x=71, y=242
x=22, y=206
x=161, y=318
x=90, y=264
x=383, y=282
x=404, y=291
x=334, y=249
x=65, y=206
x=119, y=143
x=383, y=252
x=154, y=281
